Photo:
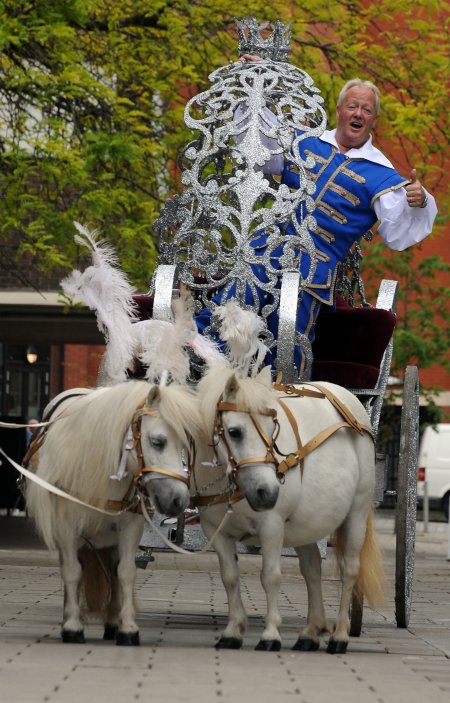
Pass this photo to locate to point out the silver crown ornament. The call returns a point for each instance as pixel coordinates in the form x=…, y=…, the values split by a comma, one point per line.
x=275, y=47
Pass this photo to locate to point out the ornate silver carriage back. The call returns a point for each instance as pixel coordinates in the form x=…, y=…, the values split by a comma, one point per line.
x=247, y=123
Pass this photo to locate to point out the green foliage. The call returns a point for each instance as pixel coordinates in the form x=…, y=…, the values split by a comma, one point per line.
x=422, y=334
x=91, y=115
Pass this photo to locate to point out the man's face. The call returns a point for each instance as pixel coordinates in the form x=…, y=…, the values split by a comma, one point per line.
x=356, y=117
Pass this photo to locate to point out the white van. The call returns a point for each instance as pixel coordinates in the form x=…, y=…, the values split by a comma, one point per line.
x=434, y=467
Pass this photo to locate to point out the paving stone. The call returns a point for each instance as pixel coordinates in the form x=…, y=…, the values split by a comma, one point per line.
x=183, y=611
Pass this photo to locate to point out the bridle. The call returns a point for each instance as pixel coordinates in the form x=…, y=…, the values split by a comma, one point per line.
x=184, y=475
x=130, y=500
x=293, y=458
x=269, y=442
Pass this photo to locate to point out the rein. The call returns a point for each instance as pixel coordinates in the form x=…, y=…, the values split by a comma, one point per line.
x=58, y=491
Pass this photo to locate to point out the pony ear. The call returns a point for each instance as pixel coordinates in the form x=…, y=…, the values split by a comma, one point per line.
x=265, y=376
x=231, y=387
x=153, y=396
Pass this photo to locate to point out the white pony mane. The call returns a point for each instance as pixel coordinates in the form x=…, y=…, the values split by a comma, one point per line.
x=240, y=329
x=88, y=441
x=254, y=393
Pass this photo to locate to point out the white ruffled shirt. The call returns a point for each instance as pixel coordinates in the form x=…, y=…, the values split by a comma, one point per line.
x=401, y=226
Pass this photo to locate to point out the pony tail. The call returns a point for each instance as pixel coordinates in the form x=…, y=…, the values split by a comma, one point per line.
x=372, y=577
x=98, y=573
x=371, y=580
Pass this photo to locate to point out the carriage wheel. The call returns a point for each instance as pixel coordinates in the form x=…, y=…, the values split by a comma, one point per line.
x=356, y=614
x=407, y=497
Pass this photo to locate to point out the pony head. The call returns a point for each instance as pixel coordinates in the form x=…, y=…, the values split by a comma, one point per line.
x=240, y=419
x=170, y=425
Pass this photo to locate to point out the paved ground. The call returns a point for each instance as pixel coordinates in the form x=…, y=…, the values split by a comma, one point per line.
x=182, y=612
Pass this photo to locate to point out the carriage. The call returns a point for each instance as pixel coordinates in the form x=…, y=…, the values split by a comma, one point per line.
x=204, y=244
x=207, y=237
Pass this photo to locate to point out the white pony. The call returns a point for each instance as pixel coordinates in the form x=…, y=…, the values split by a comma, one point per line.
x=99, y=448
x=260, y=432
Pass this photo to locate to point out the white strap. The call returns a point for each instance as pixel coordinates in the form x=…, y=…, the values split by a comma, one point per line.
x=175, y=547
x=17, y=426
x=57, y=491
x=128, y=447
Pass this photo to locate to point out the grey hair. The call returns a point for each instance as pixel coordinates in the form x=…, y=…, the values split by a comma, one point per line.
x=358, y=83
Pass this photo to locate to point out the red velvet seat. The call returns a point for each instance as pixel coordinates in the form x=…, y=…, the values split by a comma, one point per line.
x=350, y=343
x=144, y=305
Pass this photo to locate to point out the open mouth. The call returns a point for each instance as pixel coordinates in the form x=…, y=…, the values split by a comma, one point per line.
x=355, y=124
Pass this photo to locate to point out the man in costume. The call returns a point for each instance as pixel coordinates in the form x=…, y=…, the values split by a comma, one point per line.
x=356, y=186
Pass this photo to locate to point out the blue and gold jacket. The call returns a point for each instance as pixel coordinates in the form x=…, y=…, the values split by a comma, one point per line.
x=346, y=189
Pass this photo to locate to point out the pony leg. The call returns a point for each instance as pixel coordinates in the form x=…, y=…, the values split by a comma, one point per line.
x=361, y=570
x=310, y=562
x=111, y=620
x=271, y=545
x=351, y=539
x=129, y=536
x=233, y=634
x=71, y=572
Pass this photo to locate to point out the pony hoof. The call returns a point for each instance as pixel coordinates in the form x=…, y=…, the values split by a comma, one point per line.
x=268, y=646
x=228, y=643
x=111, y=632
x=337, y=647
x=73, y=636
x=128, y=639
x=306, y=645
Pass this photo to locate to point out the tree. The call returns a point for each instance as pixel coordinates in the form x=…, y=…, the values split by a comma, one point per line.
x=92, y=94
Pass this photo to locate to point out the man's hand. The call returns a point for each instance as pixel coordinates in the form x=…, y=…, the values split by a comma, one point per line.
x=415, y=194
x=250, y=57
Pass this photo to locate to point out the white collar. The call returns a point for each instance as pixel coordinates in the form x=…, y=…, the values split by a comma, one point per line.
x=366, y=151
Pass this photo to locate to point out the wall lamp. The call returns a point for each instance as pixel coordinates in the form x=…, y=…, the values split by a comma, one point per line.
x=32, y=355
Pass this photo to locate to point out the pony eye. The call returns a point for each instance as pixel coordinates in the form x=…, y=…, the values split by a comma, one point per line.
x=158, y=442
x=235, y=433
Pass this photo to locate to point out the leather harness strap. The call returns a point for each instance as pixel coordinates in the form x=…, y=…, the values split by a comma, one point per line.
x=292, y=390
x=38, y=440
x=349, y=421
x=117, y=505
x=343, y=410
x=34, y=446
x=323, y=392
x=216, y=499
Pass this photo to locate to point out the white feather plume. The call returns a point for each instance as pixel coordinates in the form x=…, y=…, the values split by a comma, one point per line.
x=106, y=290
x=161, y=345
x=240, y=330
x=208, y=350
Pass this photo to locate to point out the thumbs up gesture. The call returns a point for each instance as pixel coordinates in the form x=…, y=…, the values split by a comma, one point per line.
x=415, y=194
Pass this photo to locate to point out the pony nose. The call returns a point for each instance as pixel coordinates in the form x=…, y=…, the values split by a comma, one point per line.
x=172, y=508
x=267, y=497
